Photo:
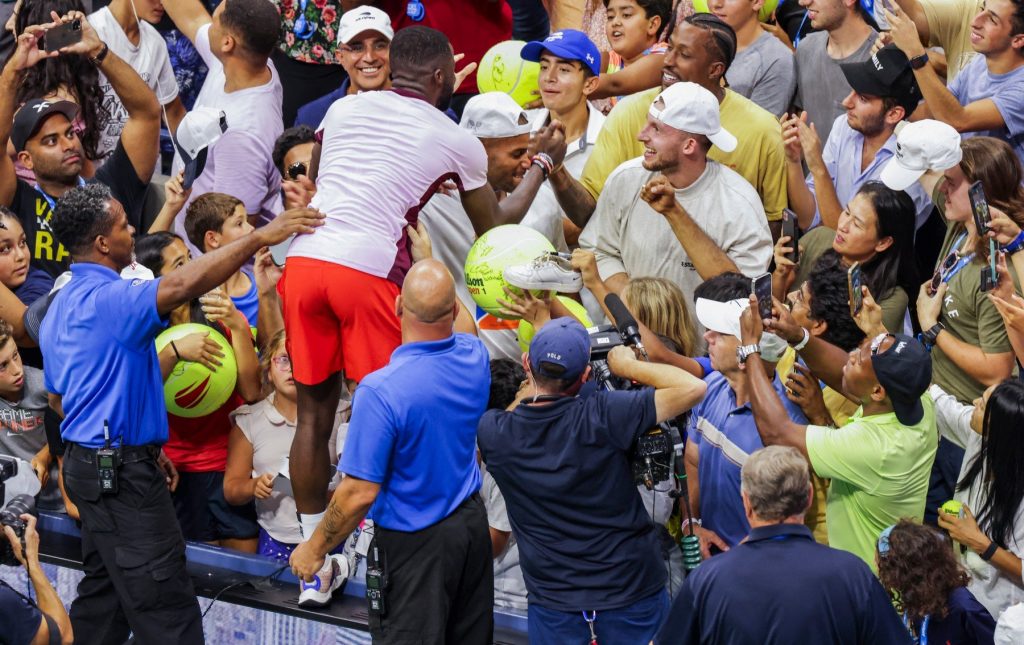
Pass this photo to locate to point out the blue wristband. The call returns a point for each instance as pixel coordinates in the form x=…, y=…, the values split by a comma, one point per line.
x=1016, y=245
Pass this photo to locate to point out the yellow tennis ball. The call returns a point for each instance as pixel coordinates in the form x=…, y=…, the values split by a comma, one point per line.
x=764, y=15
x=191, y=389
x=953, y=507
x=502, y=69
x=496, y=249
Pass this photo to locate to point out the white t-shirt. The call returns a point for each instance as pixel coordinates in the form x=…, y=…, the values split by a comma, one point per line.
x=243, y=153
x=993, y=588
x=383, y=156
x=149, y=58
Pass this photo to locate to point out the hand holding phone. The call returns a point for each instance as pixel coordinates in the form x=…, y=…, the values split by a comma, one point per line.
x=761, y=286
x=854, y=282
x=791, y=229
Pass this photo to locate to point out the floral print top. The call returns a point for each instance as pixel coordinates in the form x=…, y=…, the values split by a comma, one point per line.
x=310, y=30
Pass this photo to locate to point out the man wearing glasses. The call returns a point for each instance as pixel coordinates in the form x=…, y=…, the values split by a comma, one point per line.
x=879, y=462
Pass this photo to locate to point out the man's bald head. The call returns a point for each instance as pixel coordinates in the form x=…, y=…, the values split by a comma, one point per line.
x=428, y=293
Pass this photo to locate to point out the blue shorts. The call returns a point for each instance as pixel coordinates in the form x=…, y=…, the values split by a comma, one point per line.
x=636, y=623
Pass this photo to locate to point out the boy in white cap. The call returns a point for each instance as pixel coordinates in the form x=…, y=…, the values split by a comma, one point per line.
x=694, y=218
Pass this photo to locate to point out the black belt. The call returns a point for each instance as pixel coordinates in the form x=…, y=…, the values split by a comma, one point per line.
x=129, y=454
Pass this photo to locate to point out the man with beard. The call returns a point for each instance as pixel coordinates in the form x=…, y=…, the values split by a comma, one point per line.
x=859, y=144
x=384, y=154
x=700, y=51
x=695, y=218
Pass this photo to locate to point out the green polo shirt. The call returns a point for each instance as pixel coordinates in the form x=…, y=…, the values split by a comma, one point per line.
x=879, y=470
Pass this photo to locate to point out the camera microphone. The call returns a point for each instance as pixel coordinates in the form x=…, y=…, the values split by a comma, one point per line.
x=627, y=325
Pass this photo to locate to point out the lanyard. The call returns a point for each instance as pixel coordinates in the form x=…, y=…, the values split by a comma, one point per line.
x=922, y=638
x=590, y=623
x=50, y=200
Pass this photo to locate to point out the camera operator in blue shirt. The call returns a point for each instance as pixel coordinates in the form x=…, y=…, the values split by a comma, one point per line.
x=98, y=344
x=589, y=552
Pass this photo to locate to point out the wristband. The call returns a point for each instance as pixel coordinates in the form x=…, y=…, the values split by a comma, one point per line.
x=989, y=552
x=687, y=522
x=98, y=59
x=1016, y=245
x=543, y=161
x=176, y=354
x=803, y=343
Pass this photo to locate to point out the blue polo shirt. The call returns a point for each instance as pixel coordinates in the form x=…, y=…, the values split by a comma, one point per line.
x=98, y=345
x=726, y=434
x=413, y=430
x=585, y=540
x=780, y=587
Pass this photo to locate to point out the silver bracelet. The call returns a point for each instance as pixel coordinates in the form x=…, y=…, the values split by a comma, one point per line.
x=803, y=343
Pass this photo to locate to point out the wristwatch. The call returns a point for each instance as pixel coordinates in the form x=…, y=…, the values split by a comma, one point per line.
x=743, y=352
x=931, y=335
x=917, y=62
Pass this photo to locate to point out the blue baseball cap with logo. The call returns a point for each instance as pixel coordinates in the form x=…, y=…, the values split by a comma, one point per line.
x=570, y=44
x=561, y=349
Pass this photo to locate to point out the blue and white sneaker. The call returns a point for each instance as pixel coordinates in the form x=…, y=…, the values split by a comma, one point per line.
x=331, y=577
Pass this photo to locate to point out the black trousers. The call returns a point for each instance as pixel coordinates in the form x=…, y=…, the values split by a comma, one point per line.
x=133, y=555
x=440, y=582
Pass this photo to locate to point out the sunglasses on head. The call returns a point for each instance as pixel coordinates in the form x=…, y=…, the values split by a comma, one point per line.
x=296, y=169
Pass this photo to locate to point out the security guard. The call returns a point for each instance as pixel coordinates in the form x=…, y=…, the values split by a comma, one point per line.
x=98, y=345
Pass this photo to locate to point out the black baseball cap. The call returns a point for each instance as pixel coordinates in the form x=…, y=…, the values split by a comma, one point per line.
x=887, y=74
x=30, y=117
x=905, y=371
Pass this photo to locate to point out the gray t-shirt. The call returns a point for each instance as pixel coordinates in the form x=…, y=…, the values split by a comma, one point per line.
x=821, y=85
x=765, y=73
x=22, y=431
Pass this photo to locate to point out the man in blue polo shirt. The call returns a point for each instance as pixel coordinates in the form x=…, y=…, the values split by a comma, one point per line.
x=589, y=552
x=98, y=344
x=722, y=432
x=780, y=586
x=410, y=461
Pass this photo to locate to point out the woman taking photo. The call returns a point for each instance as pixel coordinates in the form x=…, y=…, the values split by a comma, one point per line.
x=875, y=230
x=990, y=488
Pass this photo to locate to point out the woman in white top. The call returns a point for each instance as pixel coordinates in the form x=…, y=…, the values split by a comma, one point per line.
x=991, y=489
x=258, y=450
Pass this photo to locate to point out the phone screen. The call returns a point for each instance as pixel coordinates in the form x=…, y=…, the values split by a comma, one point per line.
x=762, y=288
x=791, y=230
x=979, y=207
x=279, y=251
x=855, y=282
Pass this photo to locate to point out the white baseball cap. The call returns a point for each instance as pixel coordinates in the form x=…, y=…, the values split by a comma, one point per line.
x=691, y=108
x=921, y=146
x=197, y=132
x=494, y=115
x=723, y=317
x=364, y=18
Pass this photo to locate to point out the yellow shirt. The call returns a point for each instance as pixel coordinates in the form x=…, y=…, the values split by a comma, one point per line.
x=758, y=157
x=949, y=27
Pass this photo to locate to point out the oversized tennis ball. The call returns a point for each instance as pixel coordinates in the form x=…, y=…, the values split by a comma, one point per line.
x=764, y=15
x=953, y=507
x=191, y=389
x=503, y=70
x=493, y=251
x=526, y=331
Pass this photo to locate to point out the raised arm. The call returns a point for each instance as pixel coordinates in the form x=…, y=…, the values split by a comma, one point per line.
x=212, y=269
x=188, y=16
x=141, y=133
x=641, y=75
x=825, y=360
x=676, y=390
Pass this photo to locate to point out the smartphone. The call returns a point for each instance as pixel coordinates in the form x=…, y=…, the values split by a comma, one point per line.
x=63, y=35
x=761, y=286
x=989, y=278
x=979, y=207
x=279, y=251
x=791, y=229
x=855, y=281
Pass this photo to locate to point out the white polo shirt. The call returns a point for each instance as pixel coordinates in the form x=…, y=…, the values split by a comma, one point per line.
x=383, y=156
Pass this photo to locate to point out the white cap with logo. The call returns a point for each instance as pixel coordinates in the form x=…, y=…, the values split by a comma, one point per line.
x=721, y=317
x=921, y=146
x=691, y=108
x=494, y=115
x=364, y=18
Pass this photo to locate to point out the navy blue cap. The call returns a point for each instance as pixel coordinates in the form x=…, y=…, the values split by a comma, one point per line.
x=570, y=44
x=561, y=349
x=905, y=371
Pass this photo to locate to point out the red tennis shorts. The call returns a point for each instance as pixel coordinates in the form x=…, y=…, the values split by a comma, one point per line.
x=337, y=318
